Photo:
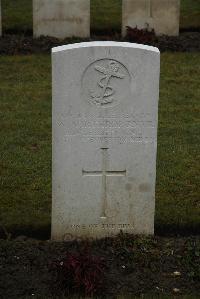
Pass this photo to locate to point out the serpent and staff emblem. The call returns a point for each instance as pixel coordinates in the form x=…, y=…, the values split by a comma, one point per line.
x=106, y=93
x=106, y=82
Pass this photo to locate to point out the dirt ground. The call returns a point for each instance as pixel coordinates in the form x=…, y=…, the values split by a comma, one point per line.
x=19, y=44
x=134, y=265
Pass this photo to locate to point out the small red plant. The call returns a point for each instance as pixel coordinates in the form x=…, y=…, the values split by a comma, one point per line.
x=80, y=272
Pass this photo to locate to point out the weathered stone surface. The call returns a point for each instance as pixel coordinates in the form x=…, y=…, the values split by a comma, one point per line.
x=160, y=15
x=61, y=18
x=105, y=106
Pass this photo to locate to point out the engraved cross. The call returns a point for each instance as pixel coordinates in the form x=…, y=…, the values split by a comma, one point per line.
x=104, y=173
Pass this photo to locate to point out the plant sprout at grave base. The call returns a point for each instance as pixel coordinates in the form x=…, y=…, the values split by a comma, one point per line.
x=80, y=272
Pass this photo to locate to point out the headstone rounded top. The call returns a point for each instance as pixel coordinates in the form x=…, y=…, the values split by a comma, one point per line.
x=104, y=44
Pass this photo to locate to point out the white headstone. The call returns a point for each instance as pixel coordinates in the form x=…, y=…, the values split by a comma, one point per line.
x=105, y=106
x=160, y=15
x=61, y=18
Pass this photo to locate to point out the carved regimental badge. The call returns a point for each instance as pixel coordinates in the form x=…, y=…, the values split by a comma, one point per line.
x=105, y=82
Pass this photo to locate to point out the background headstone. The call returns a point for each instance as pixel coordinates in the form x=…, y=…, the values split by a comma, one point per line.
x=105, y=106
x=160, y=15
x=61, y=18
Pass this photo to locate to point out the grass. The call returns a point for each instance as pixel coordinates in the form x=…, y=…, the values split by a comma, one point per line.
x=101, y=12
x=25, y=144
x=178, y=174
x=17, y=15
x=190, y=14
x=25, y=141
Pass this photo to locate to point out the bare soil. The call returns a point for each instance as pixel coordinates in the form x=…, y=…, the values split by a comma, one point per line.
x=134, y=265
